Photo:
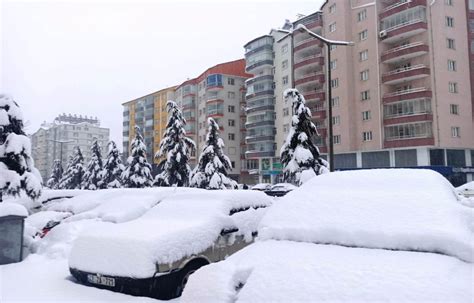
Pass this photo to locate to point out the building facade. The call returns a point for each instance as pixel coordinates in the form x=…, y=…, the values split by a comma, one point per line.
x=400, y=95
x=150, y=114
x=56, y=140
x=217, y=93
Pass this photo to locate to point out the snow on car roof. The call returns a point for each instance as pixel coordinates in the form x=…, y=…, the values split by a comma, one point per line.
x=287, y=186
x=184, y=223
x=402, y=209
x=287, y=271
x=46, y=196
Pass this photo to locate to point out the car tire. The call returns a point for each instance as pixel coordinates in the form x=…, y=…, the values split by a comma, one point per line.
x=186, y=272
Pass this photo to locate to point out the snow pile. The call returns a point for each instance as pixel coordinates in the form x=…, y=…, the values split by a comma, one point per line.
x=400, y=209
x=466, y=187
x=182, y=224
x=12, y=209
x=47, y=197
x=265, y=272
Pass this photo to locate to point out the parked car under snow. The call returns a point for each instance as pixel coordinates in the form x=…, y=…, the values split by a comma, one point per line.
x=155, y=254
x=358, y=236
x=280, y=189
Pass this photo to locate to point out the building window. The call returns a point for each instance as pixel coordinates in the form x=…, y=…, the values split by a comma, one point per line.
x=362, y=15
x=284, y=64
x=214, y=80
x=335, y=83
x=75, y=134
x=363, y=35
x=335, y=102
x=449, y=21
x=454, y=109
x=363, y=55
x=448, y=2
x=231, y=137
x=453, y=87
x=451, y=65
x=332, y=8
x=367, y=136
x=364, y=75
x=333, y=64
x=231, y=95
x=231, y=122
x=332, y=27
x=450, y=43
x=365, y=95
x=366, y=115
x=231, y=109
x=336, y=139
x=284, y=49
x=232, y=163
x=230, y=81
x=286, y=112
x=286, y=128
x=336, y=120
x=333, y=47
x=455, y=132
x=284, y=80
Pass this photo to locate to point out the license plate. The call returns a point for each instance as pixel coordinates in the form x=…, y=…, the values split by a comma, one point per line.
x=95, y=279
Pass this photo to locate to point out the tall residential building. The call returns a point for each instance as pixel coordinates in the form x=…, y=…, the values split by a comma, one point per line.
x=150, y=114
x=401, y=97
x=217, y=93
x=56, y=140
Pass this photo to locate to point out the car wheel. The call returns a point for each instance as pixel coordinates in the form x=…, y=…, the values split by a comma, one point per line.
x=185, y=273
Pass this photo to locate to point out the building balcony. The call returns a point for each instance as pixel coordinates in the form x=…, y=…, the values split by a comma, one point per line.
x=259, y=107
x=214, y=100
x=259, y=65
x=265, y=47
x=250, y=125
x=186, y=106
x=408, y=142
x=404, y=52
x=306, y=43
x=253, y=80
x=319, y=77
x=215, y=114
x=416, y=117
x=403, y=31
x=251, y=154
x=314, y=96
x=400, y=6
x=406, y=74
x=314, y=59
x=318, y=113
x=257, y=138
x=311, y=26
x=269, y=93
x=420, y=92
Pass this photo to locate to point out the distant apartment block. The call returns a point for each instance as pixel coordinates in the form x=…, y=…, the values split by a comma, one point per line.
x=217, y=93
x=150, y=114
x=56, y=140
x=402, y=96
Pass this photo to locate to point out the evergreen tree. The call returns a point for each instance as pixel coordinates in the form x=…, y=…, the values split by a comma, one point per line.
x=299, y=155
x=211, y=171
x=93, y=176
x=177, y=149
x=137, y=174
x=72, y=177
x=113, y=168
x=56, y=174
x=17, y=171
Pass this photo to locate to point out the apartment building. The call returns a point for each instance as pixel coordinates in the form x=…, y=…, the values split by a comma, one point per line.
x=400, y=95
x=150, y=114
x=218, y=93
x=57, y=139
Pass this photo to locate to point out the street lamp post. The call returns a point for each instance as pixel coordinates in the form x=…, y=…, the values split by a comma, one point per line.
x=61, y=142
x=329, y=44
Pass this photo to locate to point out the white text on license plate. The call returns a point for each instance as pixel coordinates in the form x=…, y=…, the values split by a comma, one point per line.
x=101, y=280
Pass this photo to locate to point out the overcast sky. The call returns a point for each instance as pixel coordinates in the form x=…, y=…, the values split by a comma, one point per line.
x=88, y=57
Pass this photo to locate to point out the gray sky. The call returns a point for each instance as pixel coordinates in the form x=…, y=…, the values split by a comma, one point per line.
x=87, y=57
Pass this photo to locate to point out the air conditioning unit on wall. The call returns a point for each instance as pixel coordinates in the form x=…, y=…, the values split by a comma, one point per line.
x=383, y=34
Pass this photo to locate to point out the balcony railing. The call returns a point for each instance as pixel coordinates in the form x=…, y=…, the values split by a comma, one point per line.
x=299, y=60
x=400, y=6
x=405, y=51
x=406, y=74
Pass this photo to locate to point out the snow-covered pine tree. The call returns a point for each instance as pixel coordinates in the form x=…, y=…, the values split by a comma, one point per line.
x=176, y=147
x=299, y=156
x=92, y=179
x=113, y=168
x=56, y=174
x=137, y=173
x=72, y=177
x=17, y=170
x=211, y=171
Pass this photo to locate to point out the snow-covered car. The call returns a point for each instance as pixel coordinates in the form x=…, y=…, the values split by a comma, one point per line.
x=155, y=254
x=261, y=186
x=280, y=189
x=467, y=190
x=356, y=236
